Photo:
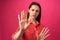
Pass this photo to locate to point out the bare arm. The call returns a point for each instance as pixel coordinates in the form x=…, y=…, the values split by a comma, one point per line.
x=22, y=24
x=18, y=35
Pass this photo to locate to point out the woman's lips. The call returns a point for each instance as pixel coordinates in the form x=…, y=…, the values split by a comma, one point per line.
x=33, y=15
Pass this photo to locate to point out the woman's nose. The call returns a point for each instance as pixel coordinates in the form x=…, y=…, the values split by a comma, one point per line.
x=34, y=12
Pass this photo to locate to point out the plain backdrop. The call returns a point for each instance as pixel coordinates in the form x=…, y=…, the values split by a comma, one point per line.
x=9, y=9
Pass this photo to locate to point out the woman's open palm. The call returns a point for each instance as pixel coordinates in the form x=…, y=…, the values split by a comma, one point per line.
x=23, y=21
x=44, y=34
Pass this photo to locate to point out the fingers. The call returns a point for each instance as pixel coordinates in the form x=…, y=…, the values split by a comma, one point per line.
x=46, y=36
x=23, y=15
x=19, y=18
x=44, y=33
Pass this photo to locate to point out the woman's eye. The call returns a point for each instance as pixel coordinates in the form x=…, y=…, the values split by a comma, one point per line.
x=32, y=9
x=37, y=11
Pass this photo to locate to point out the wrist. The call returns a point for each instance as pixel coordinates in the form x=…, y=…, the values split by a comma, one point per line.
x=21, y=30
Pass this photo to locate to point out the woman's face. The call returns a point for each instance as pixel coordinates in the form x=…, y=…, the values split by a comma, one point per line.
x=34, y=11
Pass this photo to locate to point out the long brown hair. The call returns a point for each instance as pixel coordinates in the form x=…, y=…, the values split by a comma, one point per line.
x=39, y=16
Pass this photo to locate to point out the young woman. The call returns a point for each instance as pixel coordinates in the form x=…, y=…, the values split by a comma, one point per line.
x=30, y=27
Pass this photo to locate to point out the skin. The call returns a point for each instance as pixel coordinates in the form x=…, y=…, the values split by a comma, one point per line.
x=34, y=12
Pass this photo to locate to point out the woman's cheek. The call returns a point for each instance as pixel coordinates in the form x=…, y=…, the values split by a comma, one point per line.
x=36, y=14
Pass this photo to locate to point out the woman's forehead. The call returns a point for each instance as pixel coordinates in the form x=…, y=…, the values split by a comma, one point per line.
x=35, y=7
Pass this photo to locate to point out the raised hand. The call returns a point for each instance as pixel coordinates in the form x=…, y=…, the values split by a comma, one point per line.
x=23, y=20
x=44, y=34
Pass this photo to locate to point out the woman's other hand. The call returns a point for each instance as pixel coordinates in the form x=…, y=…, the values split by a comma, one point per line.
x=44, y=34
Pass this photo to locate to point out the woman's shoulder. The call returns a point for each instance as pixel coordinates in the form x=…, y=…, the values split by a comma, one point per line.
x=40, y=24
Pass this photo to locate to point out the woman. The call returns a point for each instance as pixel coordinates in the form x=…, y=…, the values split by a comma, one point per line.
x=30, y=27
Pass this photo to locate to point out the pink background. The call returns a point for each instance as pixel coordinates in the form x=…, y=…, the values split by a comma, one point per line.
x=9, y=10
